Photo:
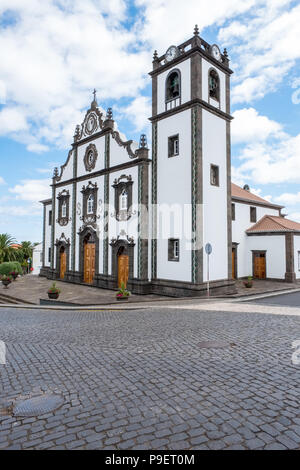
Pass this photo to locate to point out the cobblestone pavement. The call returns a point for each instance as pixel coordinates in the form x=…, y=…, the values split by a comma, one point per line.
x=140, y=380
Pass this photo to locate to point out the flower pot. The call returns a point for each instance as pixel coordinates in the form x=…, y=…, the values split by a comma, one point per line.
x=53, y=295
x=6, y=283
x=248, y=284
x=14, y=276
x=122, y=298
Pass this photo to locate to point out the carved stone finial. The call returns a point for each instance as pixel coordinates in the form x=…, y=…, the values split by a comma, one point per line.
x=143, y=141
x=155, y=55
x=77, y=133
x=225, y=53
x=196, y=30
x=109, y=120
x=55, y=172
x=109, y=113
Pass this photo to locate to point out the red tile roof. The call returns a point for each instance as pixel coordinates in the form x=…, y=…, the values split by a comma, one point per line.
x=272, y=223
x=242, y=194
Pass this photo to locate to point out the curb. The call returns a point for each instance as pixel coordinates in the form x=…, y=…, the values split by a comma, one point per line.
x=264, y=295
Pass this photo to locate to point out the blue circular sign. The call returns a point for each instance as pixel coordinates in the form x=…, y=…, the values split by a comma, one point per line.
x=208, y=248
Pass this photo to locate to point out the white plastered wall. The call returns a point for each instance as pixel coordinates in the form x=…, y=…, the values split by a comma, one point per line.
x=274, y=245
x=79, y=211
x=130, y=227
x=239, y=227
x=174, y=189
x=297, y=255
x=215, y=197
x=100, y=146
x=48, y=208
x=66, y=229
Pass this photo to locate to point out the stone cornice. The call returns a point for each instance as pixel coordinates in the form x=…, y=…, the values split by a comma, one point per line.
x=188, y=105
x=185, y=55
x=105, y=171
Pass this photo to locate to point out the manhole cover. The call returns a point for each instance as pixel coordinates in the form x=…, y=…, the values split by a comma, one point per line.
x=38, y=405
x=214, y=344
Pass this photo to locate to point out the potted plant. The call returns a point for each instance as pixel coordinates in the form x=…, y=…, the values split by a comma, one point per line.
x=53, y=292
x=6, y=280
x=249, y=282
x=24, y=267
x=14, y=275
x=123, y=293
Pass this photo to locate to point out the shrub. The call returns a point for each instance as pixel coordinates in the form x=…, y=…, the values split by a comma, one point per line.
x=123, y=292
x=8, y=267
x=53, y=289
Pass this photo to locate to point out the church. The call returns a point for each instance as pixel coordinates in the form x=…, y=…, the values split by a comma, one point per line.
x=119, y=213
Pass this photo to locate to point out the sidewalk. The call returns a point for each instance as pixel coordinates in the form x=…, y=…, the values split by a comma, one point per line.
x=31, y=288
x=262, y=286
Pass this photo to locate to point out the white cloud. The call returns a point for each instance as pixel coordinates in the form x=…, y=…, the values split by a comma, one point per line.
x=138, y=112
x=249, y=126
x=12, y=120
x=275, y=161
x=174, y=21
x=54, y=55
x=290, y=199
x=294, y=216
x=37, y=148
x=32, y=190
x=2, y=180
x=55, y=52
x=20, y=211
x=265, y=46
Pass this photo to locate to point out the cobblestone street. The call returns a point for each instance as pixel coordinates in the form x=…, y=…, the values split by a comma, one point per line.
x=143, y=379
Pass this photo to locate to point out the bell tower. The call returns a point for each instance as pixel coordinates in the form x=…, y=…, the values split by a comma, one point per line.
x=191, y=168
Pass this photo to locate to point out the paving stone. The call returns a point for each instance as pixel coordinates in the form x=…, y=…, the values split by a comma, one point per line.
x=275, y=446
x=119, y=398
x=254, y=443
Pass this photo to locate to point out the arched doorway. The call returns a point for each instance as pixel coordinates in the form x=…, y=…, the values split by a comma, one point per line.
x=122, y=260
x=62, y=262
x=89, y=258
x=123, y=267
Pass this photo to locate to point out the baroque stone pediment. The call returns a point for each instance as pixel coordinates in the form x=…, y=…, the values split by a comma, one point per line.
x=92, y=124
x=62, y=240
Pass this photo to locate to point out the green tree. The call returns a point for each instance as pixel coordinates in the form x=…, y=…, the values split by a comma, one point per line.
x=7, y=252
x=26, y=249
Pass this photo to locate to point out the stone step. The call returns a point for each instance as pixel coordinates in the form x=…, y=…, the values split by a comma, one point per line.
x=7, y=299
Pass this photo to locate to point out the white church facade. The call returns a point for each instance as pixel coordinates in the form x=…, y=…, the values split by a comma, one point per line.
x=120, y=214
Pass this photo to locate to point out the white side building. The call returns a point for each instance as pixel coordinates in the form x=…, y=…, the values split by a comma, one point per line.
x=37, y=259
x=265, y=245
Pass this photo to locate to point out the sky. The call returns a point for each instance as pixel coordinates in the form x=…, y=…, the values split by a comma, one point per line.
x=55, y=52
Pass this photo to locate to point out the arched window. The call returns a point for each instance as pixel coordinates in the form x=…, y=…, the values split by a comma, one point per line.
x=90, y=204
x=124, y=200
x=214, y=85
x=173, y=86
x=64, y=209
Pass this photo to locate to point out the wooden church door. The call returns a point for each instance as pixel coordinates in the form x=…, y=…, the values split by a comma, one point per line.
x=260, y=265
x=63, y=263
x=233, y=264
x=123, y=269
x=89, y=262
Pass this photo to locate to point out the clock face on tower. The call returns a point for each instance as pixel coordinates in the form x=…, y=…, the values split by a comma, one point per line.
x=171, y=53
x=215, y=52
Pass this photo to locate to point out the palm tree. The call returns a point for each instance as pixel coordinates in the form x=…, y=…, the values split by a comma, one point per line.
x=7, y=252
x=26, y=249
